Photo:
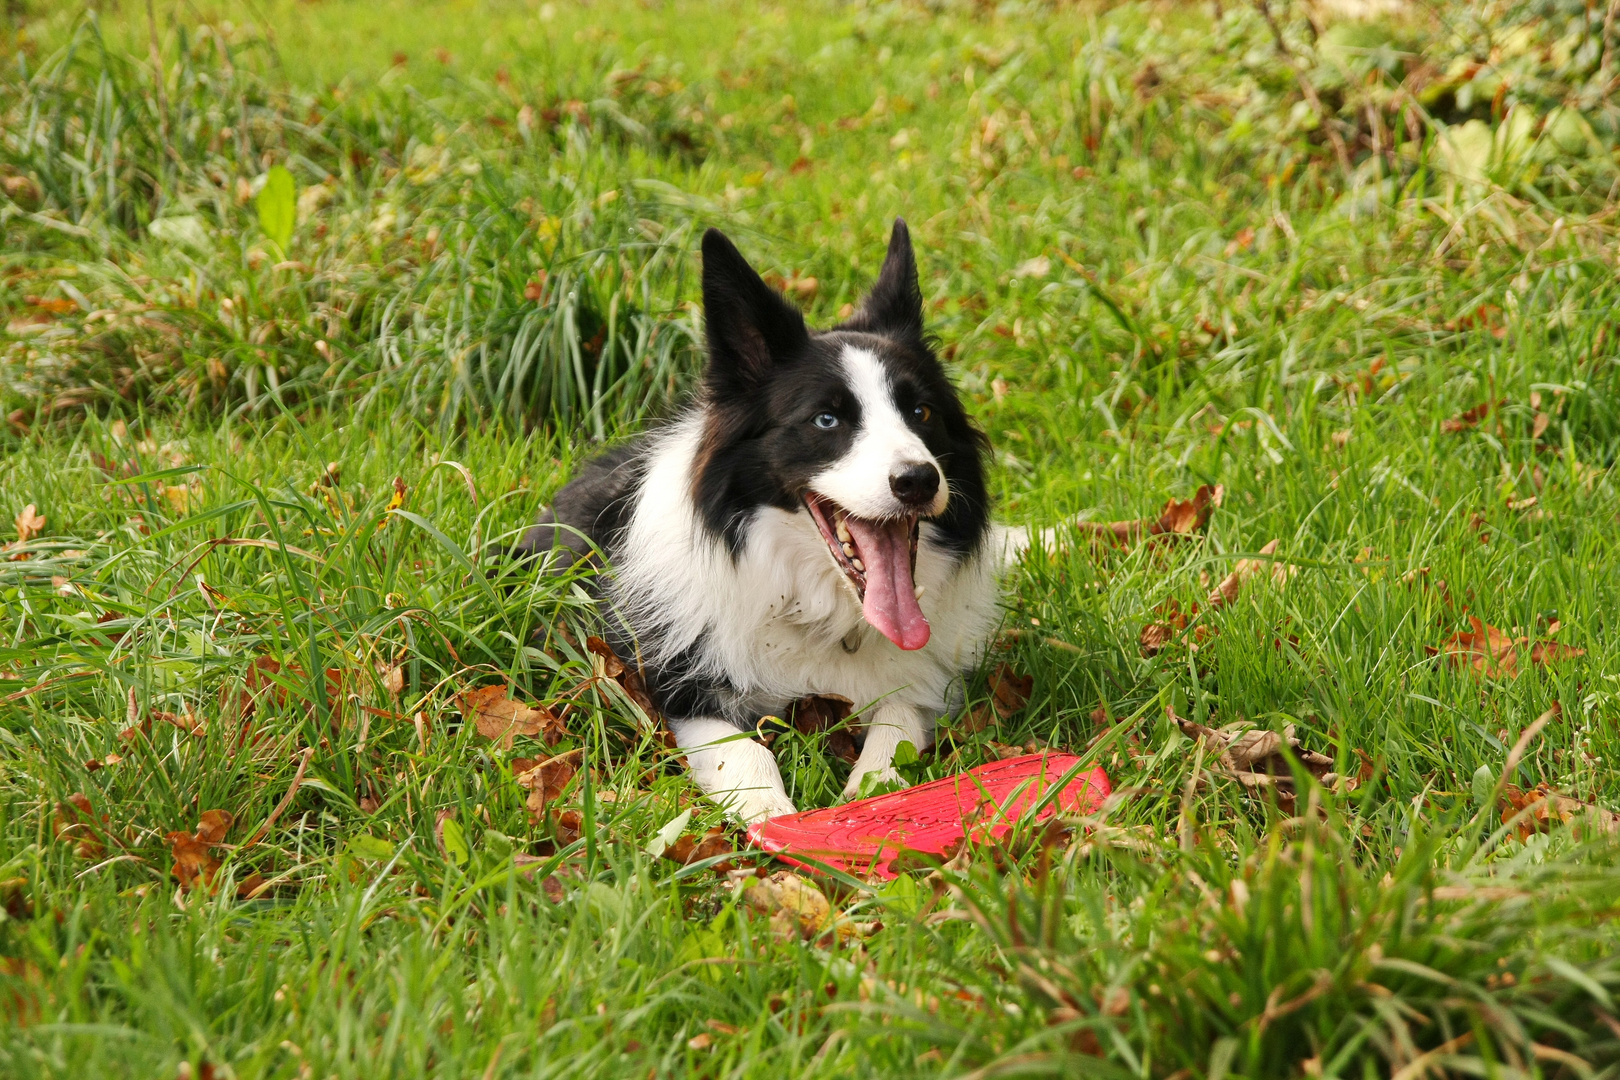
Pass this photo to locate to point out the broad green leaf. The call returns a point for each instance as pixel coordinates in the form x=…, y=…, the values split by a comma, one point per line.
x=455, y=842
x=278, y=206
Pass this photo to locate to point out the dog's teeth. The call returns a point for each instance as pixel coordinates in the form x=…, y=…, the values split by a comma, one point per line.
x=860, y=566
x=919, y=590
x=843, y=531
x=849, y=549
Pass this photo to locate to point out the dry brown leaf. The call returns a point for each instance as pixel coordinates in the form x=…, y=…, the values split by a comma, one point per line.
x=1189, y=515
x=75, y=821
x=612, y=666
x=692, y=848
x=1471, y=418
x=1227, y=591
x=1261, y=760
x=1550, y=652
x=1539, y=427
x=501, y=718
x=819, y=712
x=1491, y=651
x=192, y=860
x=546, y=780
x=1546, y=808
x=1009, y=691
x=1180, y=517
x=213, y=825
x=826, y=712
x=393, y=678
x=30, y=523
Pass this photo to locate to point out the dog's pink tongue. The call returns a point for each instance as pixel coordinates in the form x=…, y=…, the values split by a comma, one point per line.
x=891, y=601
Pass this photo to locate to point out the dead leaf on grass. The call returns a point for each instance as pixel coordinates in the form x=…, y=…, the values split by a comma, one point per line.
x=692, y=848
x=1261, y=760
x=1465, y=420
x=1490, y=651
x=30, y=523
x=1227, y=591
x=1009, y=691
x=192, y=854
x=1180, y=517
x=1542, y=808
x=502, y=718
x=826, y=712
x=546, y=780
x=797, y=908
x=75, y=822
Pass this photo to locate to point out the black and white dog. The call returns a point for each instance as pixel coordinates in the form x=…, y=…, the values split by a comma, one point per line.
x=815, y=522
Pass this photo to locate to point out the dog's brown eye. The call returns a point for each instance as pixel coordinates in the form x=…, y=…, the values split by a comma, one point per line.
x=923, y=413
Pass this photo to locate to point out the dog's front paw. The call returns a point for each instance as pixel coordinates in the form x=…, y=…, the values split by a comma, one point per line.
x=869, y=780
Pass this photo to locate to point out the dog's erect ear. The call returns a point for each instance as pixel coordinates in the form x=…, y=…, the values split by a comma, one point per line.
x=894, y=306
x=750, y=326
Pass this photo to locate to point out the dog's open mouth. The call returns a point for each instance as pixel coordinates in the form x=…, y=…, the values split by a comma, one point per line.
x=878, y=558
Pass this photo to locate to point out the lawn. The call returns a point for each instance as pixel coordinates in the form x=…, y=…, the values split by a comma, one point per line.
x=308, y=303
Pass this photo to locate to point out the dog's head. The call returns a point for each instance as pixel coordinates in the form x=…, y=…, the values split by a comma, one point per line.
x=857, y=426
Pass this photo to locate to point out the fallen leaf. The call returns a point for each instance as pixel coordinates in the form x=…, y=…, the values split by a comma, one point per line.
x=1009, y=690
x=30, y=523
x=192, y=860
x=1227, y=591
x=819, y=712
x=1180, y=517
x=1542, y=808
x=1189, y=515
x=502, y=718
x=395, y=502
x=1262, y=760
x=393, y=678
x=1539, y=427
x=213, y=825
x=75, y=821
x=700, y=1041
x=546, y=780
x=1550, y=652
x=1471, y=418
x=692, y=848
x=797, y=908
x=612, y=666
x=1491, y=651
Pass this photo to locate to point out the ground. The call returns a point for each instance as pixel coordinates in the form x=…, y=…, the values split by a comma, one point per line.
x=296, y=331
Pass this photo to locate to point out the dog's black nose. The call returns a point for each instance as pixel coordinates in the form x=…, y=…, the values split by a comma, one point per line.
x=916, y=484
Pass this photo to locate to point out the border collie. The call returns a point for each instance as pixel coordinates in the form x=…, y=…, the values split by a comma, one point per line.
x=814, y=522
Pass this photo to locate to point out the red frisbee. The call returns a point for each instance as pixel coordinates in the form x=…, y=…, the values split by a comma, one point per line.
x=864, y=837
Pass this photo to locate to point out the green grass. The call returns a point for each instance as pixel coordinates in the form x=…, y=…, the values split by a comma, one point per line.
x=1153, y=262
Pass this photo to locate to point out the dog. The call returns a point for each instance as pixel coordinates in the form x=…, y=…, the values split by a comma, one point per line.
x=815, y=521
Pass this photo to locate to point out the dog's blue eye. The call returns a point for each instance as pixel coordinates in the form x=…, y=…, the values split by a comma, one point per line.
x=824, y=420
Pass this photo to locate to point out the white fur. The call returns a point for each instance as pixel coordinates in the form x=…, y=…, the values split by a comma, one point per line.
x=781, y=621
x=885, y=444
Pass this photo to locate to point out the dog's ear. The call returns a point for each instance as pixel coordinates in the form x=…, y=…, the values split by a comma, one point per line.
x=894, y=306
x=750, y=326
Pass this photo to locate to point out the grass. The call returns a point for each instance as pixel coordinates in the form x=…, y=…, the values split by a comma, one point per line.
x=1153, y=262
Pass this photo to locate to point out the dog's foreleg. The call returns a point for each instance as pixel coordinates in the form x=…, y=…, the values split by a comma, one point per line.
x=890, y=726
x=733, y=769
